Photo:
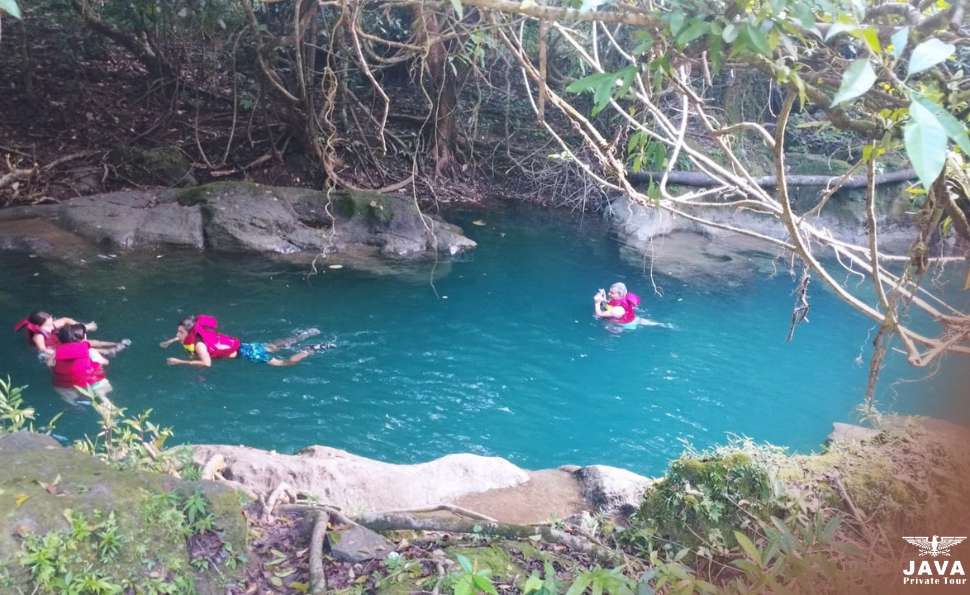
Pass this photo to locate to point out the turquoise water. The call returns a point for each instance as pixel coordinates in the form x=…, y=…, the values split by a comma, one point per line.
x=495, y=353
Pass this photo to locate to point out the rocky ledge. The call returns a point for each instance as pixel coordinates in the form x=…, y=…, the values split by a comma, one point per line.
x=234, y=217
x=357, y=484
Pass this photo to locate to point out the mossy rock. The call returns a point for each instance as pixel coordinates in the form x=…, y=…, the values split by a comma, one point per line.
x=369, y=206
x=160, y=166
x=47, y=492
x=205, y=194
x=695, y=503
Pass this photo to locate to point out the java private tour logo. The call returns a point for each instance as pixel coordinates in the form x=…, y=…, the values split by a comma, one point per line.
x=942, y=569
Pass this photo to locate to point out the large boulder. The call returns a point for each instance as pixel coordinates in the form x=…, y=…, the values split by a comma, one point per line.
x=357, y=484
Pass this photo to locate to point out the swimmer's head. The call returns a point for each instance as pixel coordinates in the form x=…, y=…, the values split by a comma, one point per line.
x=42, y=319
x=184, y=327
x=618, y=290
x=71, y=333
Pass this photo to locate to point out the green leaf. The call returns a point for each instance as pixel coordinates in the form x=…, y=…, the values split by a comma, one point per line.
x=857, y=79
x=695, y=29
x=677, y=19
x=925, y=141
x=579, y=585
x=748, y=547
x=533, y=583
x=928, y=54
x=955, y=129
x=603, y=85
x=870, y=37
x=839, y=28
x=730, y=33
x=459, y=10
x=828, y=531
x=10, y=7
x=899, y=40
x=804, y=13
x=484, y=584
x=758, y=39
x=465, y=563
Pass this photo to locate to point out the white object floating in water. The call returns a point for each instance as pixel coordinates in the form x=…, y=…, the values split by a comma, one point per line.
x=336, y=266
x=478, y=222
x=444, y=297
x=122, y=287
x=159, y=256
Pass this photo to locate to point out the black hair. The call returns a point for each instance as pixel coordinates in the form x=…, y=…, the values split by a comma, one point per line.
x=38, y=317
x=188, y=322
x=71, y=333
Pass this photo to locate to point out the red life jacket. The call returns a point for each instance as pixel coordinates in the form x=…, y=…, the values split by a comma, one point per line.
x=219, y=346
x=627, y=304
x=50, y=339
x=73, y=366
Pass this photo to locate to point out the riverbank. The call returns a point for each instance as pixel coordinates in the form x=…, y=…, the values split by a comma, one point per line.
x=906, y=477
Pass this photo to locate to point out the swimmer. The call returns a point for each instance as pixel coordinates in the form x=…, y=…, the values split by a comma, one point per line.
x=42, y=333
x=77, y=369
x=199, y=338
x=619, y=308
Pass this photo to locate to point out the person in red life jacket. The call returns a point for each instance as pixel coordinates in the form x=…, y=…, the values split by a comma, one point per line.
x=617, y=307
x=42, y=328
x=199, y=337
x=76, y=365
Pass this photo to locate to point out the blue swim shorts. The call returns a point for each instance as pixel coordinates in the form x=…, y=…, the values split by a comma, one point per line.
x=255, y=352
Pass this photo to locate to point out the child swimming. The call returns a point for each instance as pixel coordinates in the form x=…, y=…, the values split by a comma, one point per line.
x=42, y=333
x=199, y=338
x=75, y=365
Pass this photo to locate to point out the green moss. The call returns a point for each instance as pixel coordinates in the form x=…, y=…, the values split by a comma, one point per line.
x=697, y=501
x=200, y=195
x=48, y=496
x=166, y=166
x=370, y=206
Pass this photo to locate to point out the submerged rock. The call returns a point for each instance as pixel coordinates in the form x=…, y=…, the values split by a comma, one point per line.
x=351, y=227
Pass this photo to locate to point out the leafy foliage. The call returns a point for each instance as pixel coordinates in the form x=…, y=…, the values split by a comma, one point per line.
x=706, y=497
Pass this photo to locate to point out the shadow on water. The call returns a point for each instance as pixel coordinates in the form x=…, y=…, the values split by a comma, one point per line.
x=495, y=352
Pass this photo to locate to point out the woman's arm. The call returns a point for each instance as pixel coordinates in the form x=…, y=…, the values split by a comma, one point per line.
x=97, y=358
x=40, y=343
x=168, y=342
x=201, y=353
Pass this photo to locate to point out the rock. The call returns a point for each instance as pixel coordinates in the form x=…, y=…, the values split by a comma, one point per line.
x=133, y=220
x=255, y=220
x=43, y=238
x=851, y=433
x=358, y=484
x=24, y=441
x=160, y=166
x=359, y=544
x=569, y=468
x=611, y=489
x=359, y=229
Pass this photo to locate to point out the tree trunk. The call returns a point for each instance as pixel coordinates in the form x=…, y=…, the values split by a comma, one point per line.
x=443, y=93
